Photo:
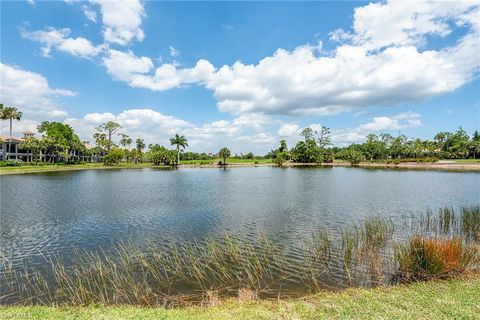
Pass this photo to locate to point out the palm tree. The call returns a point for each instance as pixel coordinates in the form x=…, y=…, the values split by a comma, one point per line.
x=179, y=141
x=10, y=113
x=224, y=153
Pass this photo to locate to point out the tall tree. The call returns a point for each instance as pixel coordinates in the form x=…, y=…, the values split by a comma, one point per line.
x=324, y=138
x=179, y=141
x=307, y=133
x=283, y=146
x=140, y=145
x=32, y=145
x=109, y=128
x=10, y=113
x=59, y=138
x=224, y=154
x=125, y=140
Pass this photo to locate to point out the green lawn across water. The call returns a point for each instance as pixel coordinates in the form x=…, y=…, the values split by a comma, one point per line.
x=231, y=160
x=467, y=161
x=68, y=167
x=453, y=299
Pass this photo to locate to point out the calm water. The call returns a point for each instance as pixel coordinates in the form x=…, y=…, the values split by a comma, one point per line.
x=57, y=212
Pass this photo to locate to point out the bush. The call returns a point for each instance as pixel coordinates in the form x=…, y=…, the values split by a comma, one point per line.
x=354, y=157
x=425, y=259
x=280, y=158
x=113, y=157
x=11, y=163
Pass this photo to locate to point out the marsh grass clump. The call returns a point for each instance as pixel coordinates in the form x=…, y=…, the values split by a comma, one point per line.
x=432, y=258
x=375, y=232
x=447, y=220
x=463, y=223
x=316, y=260
x=470, y=221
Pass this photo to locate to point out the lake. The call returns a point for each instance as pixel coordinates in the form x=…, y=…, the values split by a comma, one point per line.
x=98, y=208
x=93, y=209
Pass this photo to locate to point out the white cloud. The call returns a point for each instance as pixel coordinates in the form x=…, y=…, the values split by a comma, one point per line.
x=145, y=123
x=379, y=63
x=89, y=13
x=405, y=23
x=32, y=2
x=288, y=130
x=121, y=20
x=399, y=121
x=125, y=66
x=238, y=134
x=173, y=52
x=30, y=92
x=58, y=39
x=264, y=139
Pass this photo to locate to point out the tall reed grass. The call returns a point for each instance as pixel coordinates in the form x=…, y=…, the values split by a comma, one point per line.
x=371, y=252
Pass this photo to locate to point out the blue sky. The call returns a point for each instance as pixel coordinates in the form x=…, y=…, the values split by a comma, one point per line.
x=242, y=74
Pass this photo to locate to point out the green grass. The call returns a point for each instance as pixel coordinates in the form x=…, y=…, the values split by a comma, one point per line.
x=467, y=161
x=230, y=160
x=453, y=299
x=69, y=167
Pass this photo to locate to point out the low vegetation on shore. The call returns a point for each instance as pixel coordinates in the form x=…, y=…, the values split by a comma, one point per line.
x=375, y=252
x=452, y=299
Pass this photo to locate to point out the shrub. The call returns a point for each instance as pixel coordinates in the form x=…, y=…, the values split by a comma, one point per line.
x=280, y=158
x=354, y=157
x=113, y=157
x=424, y=259
x=11, y=163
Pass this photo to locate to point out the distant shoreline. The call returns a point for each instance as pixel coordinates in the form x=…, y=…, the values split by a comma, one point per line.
x=407, y=165
x=441, y=165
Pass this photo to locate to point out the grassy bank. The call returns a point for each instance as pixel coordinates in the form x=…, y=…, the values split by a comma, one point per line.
x=68, y=167
x=453, y=299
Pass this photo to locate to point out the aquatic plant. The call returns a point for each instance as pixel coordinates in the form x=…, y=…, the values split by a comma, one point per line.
x=204, y=271
x=430, y=258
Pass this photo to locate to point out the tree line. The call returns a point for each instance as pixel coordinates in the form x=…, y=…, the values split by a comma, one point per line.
x=59, y=142
x=317, y=147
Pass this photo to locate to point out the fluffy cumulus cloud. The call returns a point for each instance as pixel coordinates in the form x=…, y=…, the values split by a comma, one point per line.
x=136, y=71
x=288, y=130
x=144, y=123
x=60, y=40
x=239, y=134
x=379, y=124
x=30, y=92
x=381, y=61
x=121, y=20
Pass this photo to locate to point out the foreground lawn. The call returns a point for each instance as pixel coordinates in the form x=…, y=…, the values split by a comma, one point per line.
x=452, y=299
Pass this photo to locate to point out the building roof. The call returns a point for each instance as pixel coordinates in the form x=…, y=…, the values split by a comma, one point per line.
x=6, y=139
